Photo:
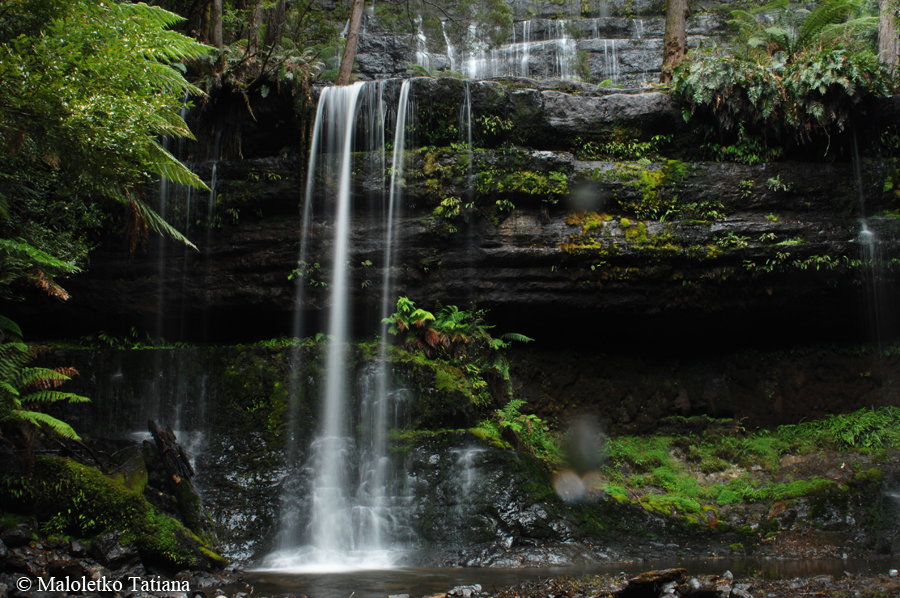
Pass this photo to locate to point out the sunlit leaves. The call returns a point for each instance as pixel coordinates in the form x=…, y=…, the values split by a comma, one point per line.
x=87, y=89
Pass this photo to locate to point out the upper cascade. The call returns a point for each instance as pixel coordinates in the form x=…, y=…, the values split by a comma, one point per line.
x=621, y=51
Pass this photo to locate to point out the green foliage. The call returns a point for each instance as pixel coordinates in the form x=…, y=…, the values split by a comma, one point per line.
x=308, y=272
x=863, y=429
x=801, y=90
x=657, y=187
x=68, y=497
x=420, y=71
x=252, y=62
x=23, y=389
x=458, y=337
x=833, y=22
x=530, y=432
x=88, y=90
x=621, y=144
x=661, y=470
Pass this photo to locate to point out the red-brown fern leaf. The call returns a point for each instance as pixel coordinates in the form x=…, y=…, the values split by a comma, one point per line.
x=136, y=230
x=46, y=284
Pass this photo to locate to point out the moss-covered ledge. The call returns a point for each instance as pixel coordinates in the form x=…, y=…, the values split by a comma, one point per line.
x=67, y=498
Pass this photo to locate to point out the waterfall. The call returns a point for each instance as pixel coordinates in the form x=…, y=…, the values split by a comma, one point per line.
x=330, y=525
x=423, y=58
x=464, y=475
x=875, y=254
x=526, y=49
x=611, y=60
x=450, y=52
x=380, y=423
x=565, y=50
x=515, y=58
x=161, y=258
x=351, y=514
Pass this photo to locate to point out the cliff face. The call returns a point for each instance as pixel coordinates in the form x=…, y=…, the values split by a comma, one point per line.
x=541, y=238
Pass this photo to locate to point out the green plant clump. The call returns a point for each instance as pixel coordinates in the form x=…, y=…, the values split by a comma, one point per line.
x=797, y=81
x=459, y=338
x=529, y=432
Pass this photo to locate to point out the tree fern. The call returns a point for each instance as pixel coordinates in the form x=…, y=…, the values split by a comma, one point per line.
x=825, y=14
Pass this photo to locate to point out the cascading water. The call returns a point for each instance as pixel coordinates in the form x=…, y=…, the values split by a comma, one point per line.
x=514, y=59
x=611, y=60
x=208, y=246
x=354, y=503
x=565, y=50
x=423, y=58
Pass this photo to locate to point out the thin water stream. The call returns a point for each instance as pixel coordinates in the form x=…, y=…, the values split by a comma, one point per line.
x=424, y=582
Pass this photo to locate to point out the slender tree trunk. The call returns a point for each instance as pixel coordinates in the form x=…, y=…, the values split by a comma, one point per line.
x=888, y=40
x=352, y=39
x=275, y=24
x=256, y=22
x=216, y=19
x=675, y=40
x=203, y=23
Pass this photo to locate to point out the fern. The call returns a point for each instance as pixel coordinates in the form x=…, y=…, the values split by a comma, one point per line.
x=515, y=336
x=16, y=379
x=42, y=420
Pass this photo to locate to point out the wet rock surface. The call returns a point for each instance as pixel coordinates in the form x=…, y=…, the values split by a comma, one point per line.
x=49, y=567
x=678, y=582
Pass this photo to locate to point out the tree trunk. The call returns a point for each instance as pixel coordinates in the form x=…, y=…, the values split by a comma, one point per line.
x=352, y=39
x=675, y=40
x=253, y=28
x=276, y=24
x=888, y=40
x=216, y=19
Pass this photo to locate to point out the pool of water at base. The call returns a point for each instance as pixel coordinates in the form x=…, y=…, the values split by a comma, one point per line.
x=416, y=582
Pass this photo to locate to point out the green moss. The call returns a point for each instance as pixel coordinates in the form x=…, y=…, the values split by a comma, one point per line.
x=79, y=500
x=873, y=475
x=594, y=220
x=636, y=234
x=450, y=378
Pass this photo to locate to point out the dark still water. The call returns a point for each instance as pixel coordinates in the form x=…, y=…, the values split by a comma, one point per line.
x=424, y=582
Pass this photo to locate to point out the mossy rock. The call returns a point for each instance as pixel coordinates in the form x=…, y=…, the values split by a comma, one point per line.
x=132, y=474
x=81, y=501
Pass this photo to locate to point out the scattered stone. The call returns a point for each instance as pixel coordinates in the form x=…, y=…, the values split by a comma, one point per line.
x=465, y=591
x=21, y=535
x=76, y=548
x=893, y=573
x=106, y=549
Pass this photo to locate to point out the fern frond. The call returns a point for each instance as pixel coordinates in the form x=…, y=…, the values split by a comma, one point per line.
x=152, y=14
x=48, y=285
x=43, y=378
x=825, y=14
x=39, y=419
x=156, y=223
x=8, y=388
x=34, y=257
x=515, y=336
x=9, y=329
x=165, y=164
x=53, y=396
